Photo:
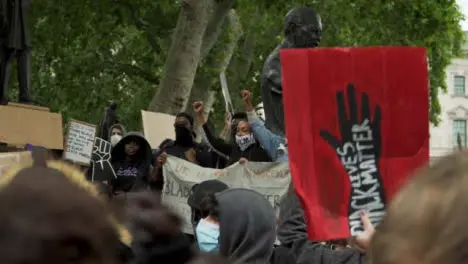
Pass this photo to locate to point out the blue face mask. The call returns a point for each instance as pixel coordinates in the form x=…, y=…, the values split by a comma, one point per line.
x=207, y=236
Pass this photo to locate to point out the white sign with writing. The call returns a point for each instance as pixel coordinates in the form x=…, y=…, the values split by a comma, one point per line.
x=80, y=142
x=270, y=179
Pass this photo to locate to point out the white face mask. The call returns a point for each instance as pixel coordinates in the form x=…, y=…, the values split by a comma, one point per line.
x=245, y=141
x=115, y=139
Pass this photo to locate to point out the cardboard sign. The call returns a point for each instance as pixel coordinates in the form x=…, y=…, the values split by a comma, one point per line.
x=80, y=142
x=269, y=179
x=157, y=127
x=30, y=124
x=357, y=126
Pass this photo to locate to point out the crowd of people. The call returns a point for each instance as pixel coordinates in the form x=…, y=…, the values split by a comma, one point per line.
x=50, y=213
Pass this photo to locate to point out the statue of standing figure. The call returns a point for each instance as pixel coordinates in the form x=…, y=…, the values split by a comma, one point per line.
x=302, y=29
x=15, y=43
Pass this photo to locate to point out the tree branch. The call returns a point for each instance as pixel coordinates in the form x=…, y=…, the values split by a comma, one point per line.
x=132, y=70
x=141, y=25
x=213, y=29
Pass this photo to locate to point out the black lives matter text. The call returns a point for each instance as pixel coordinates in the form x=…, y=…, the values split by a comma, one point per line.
x=358, y=158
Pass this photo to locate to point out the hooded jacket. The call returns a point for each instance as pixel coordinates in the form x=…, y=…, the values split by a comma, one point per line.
x=247, y=226
x=247, y=232
x=118, y=126
x=131, y=174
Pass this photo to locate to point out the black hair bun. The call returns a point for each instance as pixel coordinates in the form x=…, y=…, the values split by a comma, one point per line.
x=209, y=206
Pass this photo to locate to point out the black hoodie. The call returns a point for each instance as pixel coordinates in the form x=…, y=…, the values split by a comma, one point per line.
x=247, y=232
x=246, y=226
x=131, y=174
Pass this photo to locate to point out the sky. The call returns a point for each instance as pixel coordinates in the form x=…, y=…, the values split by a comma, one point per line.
x=464, y=8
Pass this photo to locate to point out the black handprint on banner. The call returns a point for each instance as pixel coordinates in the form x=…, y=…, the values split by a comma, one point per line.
x=102, y=167
x=359, y=151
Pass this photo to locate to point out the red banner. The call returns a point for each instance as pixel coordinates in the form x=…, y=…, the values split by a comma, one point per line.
x=357, y=126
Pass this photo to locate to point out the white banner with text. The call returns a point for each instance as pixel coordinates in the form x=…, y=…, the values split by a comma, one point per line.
x=270, y=179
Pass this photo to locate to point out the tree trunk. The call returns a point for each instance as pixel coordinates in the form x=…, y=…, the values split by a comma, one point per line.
x=183, y=58
x=217, y=62
x=215, y=25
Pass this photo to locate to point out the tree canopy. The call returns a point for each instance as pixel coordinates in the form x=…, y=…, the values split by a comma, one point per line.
x=88, y=52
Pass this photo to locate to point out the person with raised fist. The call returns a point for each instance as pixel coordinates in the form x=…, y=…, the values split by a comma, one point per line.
x=275, y=145
x=244, y=148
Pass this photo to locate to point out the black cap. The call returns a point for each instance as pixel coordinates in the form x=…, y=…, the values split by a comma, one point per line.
x=201, y=190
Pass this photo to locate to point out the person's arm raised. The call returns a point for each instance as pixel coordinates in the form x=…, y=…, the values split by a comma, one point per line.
x=270, y=141
x=227, y=128
x=215, y=142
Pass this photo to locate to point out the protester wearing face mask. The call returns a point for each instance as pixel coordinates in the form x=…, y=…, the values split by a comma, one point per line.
x=207, y=230
x=244, y=223
x=199, y=206
x=116, y=132
x=184, y=147
x=275, y=145
x=245, y=147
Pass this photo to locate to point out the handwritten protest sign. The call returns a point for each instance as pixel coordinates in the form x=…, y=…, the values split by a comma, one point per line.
x=157, y=127
x=11, y=159
x=80, y=142
x=270, y=179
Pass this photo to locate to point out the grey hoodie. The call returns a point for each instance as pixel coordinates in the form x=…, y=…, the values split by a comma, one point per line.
x=247, y=226
x=119, y=126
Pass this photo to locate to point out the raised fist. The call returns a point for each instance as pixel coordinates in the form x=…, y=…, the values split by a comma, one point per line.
x=198, y=107
x=246, y=96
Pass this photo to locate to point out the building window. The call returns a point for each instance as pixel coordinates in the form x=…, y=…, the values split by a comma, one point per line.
x=459, y=129
x=459, y=85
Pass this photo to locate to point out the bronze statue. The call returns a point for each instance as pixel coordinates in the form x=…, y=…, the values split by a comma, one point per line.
x=302, y=29
x=109, y=119
x=15, y=44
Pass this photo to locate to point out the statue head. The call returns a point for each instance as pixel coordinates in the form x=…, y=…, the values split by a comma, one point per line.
x=303, y=27
x=113, y=104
